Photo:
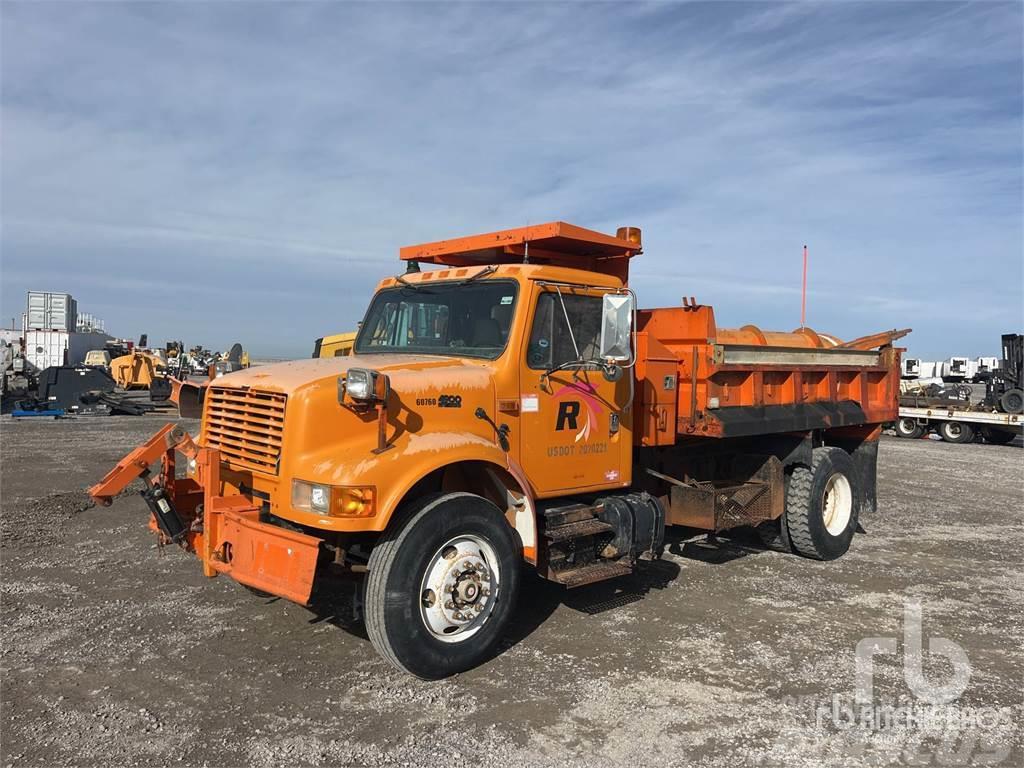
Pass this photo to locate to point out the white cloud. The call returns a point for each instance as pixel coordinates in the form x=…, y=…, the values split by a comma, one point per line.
x=285, y=152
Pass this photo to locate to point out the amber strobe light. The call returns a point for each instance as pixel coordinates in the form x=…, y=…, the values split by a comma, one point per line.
x=629, y=234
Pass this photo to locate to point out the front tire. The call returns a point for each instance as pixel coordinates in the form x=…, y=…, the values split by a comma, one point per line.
x=956, y=432
x=442, y=585
x=822, y=503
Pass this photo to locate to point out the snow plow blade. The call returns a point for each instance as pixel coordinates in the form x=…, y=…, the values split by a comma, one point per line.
x=224, y=531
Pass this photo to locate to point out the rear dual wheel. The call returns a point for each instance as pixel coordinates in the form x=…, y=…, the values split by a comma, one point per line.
x=998, y=436
x=955, y=432
x=442, y=584
x=822, y=502
x=909, y=428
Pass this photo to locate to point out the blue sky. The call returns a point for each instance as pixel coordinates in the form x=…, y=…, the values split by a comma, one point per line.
x=218, y=172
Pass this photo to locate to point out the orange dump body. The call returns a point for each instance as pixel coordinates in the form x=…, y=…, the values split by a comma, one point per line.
x=695, y=379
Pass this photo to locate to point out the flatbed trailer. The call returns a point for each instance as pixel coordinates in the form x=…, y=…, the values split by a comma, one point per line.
x=956, y=422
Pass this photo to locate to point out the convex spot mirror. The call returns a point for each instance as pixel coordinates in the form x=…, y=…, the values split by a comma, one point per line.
x=616, y=327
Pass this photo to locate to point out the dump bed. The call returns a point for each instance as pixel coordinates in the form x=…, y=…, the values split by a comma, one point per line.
x=694, y=379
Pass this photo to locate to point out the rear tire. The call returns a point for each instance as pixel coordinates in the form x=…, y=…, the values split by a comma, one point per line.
x=822, y=503
x=442, y=585
x=1012, y=401
x=955, y=432
x=909, y=428
x=998, y=436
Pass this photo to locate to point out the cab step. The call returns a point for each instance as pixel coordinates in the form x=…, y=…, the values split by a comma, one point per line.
x=588, y=574
x=576, y=530
x=574, y=538
x=570, y=513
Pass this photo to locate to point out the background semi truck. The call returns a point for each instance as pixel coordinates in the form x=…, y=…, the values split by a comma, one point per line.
x=511, y=406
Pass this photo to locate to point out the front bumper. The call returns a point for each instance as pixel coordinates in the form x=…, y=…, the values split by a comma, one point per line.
x=224, y=530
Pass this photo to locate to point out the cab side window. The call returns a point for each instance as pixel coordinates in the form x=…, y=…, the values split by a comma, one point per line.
x=551, y=343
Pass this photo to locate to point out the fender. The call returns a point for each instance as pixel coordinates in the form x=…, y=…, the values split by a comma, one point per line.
x=524, y=511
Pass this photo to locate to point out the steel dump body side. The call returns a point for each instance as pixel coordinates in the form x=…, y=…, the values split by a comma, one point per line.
x=696, y=380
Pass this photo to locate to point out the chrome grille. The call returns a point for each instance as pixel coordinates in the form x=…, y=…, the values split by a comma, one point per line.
x=246, y=426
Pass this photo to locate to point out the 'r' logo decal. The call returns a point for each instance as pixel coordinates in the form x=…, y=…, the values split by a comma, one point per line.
x=568, y=410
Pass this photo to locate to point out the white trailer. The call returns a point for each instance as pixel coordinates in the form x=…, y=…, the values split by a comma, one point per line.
x=958, y=424
x=45, y=349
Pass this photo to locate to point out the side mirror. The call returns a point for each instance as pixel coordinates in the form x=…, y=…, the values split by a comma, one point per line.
x=617, y=327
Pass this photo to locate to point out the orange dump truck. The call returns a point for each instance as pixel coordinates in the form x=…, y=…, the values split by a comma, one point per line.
x=514, y=405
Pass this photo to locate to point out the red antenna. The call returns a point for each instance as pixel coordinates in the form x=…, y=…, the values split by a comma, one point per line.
x=803, y=294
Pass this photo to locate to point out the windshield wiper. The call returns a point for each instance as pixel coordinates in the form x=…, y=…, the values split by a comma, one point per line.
x=420, y=286
x=405, y=283
x=482, y=273
x=580, y=363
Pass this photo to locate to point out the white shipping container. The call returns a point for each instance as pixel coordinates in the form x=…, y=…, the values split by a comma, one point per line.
x=51, y=311
x=44, y=349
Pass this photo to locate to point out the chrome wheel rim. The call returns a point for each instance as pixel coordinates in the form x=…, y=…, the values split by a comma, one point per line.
x=459, y=588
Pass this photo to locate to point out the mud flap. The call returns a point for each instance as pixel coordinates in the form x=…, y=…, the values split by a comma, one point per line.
x=269, y=558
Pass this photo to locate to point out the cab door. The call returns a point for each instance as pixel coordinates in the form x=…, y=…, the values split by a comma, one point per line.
x=576, y=426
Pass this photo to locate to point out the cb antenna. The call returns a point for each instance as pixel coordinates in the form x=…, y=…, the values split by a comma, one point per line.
x=526, y=245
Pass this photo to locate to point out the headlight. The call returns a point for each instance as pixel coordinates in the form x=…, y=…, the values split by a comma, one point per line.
x=334, y=500
x=359, y=383
x=311, y=497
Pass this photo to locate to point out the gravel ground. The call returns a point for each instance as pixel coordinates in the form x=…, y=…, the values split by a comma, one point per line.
x=117, y=653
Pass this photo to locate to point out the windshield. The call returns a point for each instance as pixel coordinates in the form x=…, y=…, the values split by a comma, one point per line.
x=465, y=320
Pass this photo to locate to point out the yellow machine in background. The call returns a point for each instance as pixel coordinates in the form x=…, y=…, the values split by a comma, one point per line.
x=338, y=345
x=138, y=369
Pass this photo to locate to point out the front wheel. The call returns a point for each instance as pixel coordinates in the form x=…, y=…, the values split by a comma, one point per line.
x=442, y=584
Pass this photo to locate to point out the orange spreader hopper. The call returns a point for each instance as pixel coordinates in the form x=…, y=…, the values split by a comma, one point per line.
x=556, y=243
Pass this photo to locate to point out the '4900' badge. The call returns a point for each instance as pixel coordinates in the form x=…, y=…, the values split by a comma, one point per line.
x=442, y=401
